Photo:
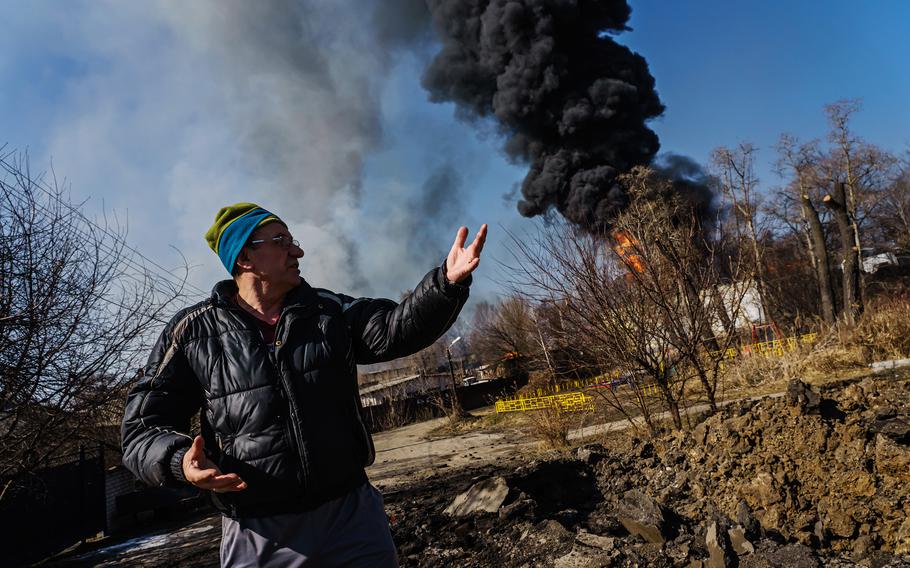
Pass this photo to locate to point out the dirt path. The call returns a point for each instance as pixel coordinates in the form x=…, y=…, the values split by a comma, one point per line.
x=407, y=454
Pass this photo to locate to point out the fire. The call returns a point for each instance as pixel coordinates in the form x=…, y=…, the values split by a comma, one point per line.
x=625, y=248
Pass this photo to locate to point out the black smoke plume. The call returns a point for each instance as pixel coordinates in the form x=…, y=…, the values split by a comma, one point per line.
x=570, y=101
x=691, y=182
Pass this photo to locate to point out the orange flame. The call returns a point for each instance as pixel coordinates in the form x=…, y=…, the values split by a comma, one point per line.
x=625, y=248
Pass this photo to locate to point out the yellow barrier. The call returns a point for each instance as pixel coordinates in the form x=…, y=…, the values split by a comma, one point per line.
x=776, y=347
x=570, y=402
x=574, y=400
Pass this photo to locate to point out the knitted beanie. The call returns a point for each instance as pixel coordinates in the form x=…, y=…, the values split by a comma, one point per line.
x=232, y=227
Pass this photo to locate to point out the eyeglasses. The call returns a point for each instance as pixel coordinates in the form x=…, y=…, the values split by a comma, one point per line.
x=282, y=241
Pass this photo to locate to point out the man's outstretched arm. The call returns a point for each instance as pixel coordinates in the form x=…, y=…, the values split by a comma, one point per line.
x=383, y=330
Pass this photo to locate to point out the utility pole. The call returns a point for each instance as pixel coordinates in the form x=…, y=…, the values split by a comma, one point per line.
x=456, y=407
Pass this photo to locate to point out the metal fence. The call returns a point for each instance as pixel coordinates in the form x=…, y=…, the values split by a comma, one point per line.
x=570, y=396
x=46, y=511
x=569, y=402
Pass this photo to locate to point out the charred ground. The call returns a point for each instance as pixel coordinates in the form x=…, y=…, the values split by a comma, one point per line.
x=812, y=478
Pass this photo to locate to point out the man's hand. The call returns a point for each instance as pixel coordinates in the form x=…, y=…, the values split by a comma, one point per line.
x=202, y=472
x=462, y=261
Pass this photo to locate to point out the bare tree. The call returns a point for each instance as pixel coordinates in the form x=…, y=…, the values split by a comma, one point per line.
x=638, y=301
x=739, y=185
x=864, y=169
x=76, y=314
x=802, y=162
x=836, y=201
x=894, y=219
x=506, y=327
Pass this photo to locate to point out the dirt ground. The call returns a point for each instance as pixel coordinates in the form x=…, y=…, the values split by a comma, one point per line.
x=418, y=452
x=816, y=476
x=404, y=455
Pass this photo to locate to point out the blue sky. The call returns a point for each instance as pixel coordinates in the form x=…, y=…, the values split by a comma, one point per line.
x=163, y=111
x=732, y=71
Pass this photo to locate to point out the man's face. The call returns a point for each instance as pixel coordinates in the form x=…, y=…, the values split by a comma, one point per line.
x=274, y=262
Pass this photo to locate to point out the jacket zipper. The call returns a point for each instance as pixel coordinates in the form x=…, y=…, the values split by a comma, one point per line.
x=285, y=390
x=293, y=432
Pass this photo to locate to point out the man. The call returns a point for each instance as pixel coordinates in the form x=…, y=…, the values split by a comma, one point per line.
x=271, y=363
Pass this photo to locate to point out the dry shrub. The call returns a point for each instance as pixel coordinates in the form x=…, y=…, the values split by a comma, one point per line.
x=753, y=371
x=551, y=426
x=541, y=380
x=835, y=352
x=884, y=330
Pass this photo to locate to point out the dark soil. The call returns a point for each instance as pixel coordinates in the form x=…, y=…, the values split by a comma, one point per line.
x=809, y=479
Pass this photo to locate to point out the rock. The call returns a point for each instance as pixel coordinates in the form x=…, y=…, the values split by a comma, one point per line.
x=521, y=507
x=789, y=556
x=902, y=546
x=590, y=454
x=595, y=541
x=801, y=395
x=602, y=522
x=741, y=545
x=836, y=520
x=678, y=549
x=892, y=459
x=483, y=497
x=762, y=489
x=862, y=547
x=718, y=550
x=643, y=517
x=550, y=531
x=583, y=558
x=820, y=535
x=747, y=520
x=898, y=429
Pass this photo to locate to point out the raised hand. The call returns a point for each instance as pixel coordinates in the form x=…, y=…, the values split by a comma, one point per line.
x=202, y=472
x=462, y=261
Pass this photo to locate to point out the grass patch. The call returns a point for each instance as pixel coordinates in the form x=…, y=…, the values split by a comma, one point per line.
x=485, y=422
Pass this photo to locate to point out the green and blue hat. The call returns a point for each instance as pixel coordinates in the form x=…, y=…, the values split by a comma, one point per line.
x=233, y=226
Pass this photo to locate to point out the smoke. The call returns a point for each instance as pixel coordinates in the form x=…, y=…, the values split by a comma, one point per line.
x=194, y=105
x=300, y=87
x=437, y=204
x=570, y=101
x=691, y=182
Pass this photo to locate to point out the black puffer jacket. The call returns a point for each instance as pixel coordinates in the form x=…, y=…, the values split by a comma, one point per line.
x=285, y=417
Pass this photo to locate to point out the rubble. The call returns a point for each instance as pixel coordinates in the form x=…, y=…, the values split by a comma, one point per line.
x=483, y=497
x=817, y=477
x=718, y=548
x=739, y=542
x=642, y=516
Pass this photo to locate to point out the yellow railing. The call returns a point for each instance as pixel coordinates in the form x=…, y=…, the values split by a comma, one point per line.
x=568, y=386
x=774, y=348
x=569, y=396
x=570, y=402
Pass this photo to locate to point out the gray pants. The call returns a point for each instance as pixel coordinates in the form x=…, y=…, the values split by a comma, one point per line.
x=352, y=530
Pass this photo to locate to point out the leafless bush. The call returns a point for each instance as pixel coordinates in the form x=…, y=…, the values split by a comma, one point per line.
x=650, y=301
x=551, y=426
x=76, y=311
